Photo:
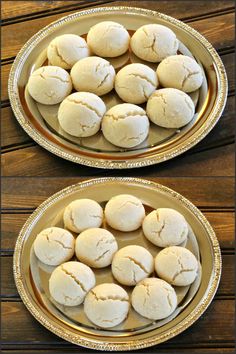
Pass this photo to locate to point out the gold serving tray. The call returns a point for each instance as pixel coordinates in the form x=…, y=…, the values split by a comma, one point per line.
x=31, y=276
x=40, y=121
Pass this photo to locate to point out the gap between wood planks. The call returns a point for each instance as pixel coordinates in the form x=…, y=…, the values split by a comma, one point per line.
x=87, y=4
x=62, y=9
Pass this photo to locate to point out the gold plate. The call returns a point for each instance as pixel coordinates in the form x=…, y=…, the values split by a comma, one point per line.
x=163, y=144
x=31, y=276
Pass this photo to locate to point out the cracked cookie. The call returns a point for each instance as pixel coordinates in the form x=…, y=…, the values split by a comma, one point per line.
x=124, y=212
x=125, y=125
x=134, y=83
x=154, y=42
x=82, y=214
x=154, y=299
x=66, y=50
x=93, y=74
x=108, y=39
x=177, y=265
x=54, y=246
x=132, y=264
x=80, y=114
x=180, y=72
x=96, y=247
x=107, y=305
x=49, y=85
x=70, y=282
x=165, y=227
x=170, y=108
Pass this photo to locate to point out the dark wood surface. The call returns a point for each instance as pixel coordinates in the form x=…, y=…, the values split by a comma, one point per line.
x=213, y=331
x=204, y=175
x=213, y=156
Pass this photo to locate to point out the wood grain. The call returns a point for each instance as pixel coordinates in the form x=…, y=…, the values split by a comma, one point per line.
x=12, y=9
x=16, y=9
x=219, y=31
x=167, y=349
x=222, y=223
x=214, y=327
x=36, y=161
x=227, y=285
x=18, y=193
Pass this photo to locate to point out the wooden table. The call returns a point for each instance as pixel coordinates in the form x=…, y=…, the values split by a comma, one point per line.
x=205, y=175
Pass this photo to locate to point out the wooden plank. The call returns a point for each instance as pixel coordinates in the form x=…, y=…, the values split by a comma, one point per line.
x=161, y=349
x=21, y=193
x=227, y=285
x=219, y=31
x=12, y=9
x=214, y=327
x=36, y=161
x=11, y=131
x=154, y=349
x=222, y=223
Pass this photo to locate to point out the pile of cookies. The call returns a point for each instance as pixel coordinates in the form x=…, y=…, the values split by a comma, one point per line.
x=75, y=64
x=106, y=305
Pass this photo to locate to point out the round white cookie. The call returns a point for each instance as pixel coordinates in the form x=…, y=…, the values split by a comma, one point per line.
x=165, y=227
x=170, y=108
x=154, y=42
x=154, y=299
x=66, y=50
x=125, y=125
x=82, y=214
x=70, y=282
x=180, y=72
x=108, y=39
x=132, y=264
x=49, y=85
x=177, y=265
x=134, y=83
x=107, y=305
x=96, y=247
x=80, y=114
x=124, y=212
x=54, y=246
x=93, y=74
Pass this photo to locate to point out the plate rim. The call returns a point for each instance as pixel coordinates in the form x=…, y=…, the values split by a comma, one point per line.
x=143, y=161
x=133, y=344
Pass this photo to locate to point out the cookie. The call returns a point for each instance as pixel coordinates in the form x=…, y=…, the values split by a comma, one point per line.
x=124, y=212
x=54, y=246
x=177, y=265
x=107, y=305
x=96, y=247
x=170, y=108
x=180, y=72
x=154, y=42
x=134, y=83
x=82, y=214
x=131, y=264
x=80, y=114
x=154, y=299
x=125, y=125
x=165, y=227
x=49, y=85
x=70, y=282
x=108, y=39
